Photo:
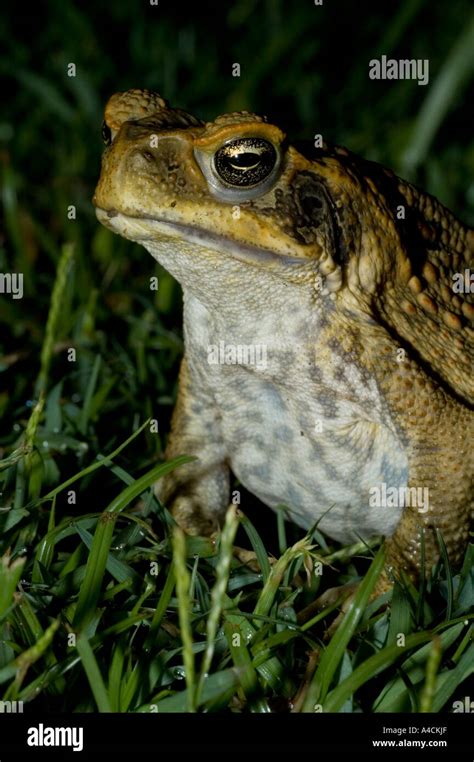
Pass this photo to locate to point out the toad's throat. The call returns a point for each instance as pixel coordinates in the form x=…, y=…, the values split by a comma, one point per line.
x=147, y=229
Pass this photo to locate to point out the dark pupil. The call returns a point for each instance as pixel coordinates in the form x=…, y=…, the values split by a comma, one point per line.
x=245, y=162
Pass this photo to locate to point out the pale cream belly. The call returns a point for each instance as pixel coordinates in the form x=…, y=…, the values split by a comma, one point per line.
x=325, y=471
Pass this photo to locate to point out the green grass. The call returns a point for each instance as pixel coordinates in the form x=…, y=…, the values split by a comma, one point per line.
x=100, y=612
x=115, y=609
x=102, y=605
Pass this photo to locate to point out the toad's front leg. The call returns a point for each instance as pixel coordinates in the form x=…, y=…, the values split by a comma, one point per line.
x=197, y=493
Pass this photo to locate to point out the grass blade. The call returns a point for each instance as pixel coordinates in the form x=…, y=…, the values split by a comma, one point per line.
x=160, y=610
x=455, y=74
x=449, y=575
x=448, y=682
x=333, y=654
x=92, y=671
x=86, y=408
x=183, y=582
x=140, y=485
x=218, y=592
x=273, y=581
x=401, y=622
x=218, y=687
x=429, y=689
x=23, y=662
x=98, y=556
x=243, y=661
x=54, y=317
x=10, y=573
x=257, y=545
x=372, y=666
x=105, y=461
x=92, y=585
x=394, y=696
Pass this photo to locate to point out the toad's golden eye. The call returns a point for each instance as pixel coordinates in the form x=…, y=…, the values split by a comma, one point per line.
x=245, y=162
x=106, y=134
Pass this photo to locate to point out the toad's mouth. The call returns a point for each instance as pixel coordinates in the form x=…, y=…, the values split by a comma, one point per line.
x=148, y=230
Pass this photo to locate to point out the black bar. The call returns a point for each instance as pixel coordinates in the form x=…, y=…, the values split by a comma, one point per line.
x=428, y=736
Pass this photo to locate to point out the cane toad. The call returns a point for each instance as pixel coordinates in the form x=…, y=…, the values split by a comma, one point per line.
x=328, y=324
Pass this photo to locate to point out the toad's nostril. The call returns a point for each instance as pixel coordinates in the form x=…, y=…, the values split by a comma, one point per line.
x=148, y=155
